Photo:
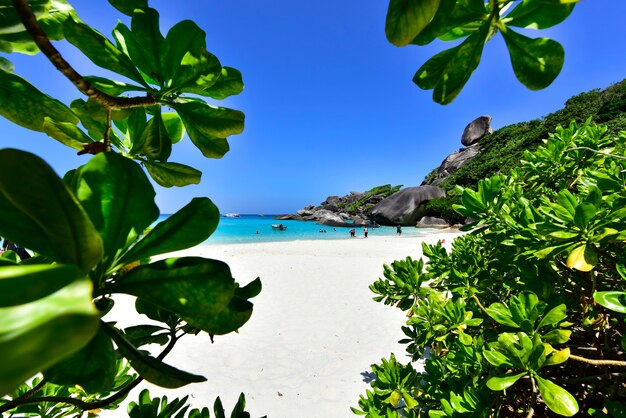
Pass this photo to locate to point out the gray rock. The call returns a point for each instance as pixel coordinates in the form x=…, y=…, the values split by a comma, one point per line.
x=306, y=211
x=453, y=162
x=476, y=130
x=353, y=197
x=287, y=217
x=326, y=217
x=404, y=207
x=432, y=222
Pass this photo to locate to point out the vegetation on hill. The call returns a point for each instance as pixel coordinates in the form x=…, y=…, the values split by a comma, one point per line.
x=363, y=204
x=505, y=148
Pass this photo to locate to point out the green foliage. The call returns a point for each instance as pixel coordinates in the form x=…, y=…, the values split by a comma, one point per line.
x=383, y=191
x=441, y=207
x=536, y=61
x=92, y=232
x=505, y=320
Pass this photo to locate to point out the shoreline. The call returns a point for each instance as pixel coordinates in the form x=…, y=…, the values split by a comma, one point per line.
x=315, y=330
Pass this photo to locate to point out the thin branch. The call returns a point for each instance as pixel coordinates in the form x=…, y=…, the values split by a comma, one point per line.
x=107, y=131
x=531, y=410
x=598, y=362
x=29, y=20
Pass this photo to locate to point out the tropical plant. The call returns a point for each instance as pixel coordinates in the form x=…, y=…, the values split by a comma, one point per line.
x=536, y=61
x=93, y=231
x=525, y=315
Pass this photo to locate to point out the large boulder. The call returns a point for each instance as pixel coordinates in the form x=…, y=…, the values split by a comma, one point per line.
x=432, y=222
x=405, y=207
x=476, y=130
x=452, y=163
x=326, y=217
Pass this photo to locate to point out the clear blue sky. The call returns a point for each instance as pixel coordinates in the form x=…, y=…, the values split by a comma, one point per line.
x=329, y=103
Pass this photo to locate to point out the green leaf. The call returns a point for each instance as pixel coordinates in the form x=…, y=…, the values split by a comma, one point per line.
x=613, y=300
x=228, y=320
x=174, y=126
x=40, y=213
x=128, y=6
x=6, y=65
x=439, y=24
x=567, y=203
x=229, y=83
x=155, y=140
x=189, y=286
x=250, y=290
x=25, y=284
x=93, y=367
x=9, y=20
x=182, y=38
x=554, y=316
x=407, y=18
x=208, y=126
x=582, y=258
x=112, y=87
x=448, y=71
x=36, y=335
x=27, y=112
x=496, y=358
x=191, y=225
x=503, y=382
x=583, y=214
x=536, y=62
x=100, y=50
x=564, y=235
x=501, y=314
x=172, y=174
x=151, y=369
x=557, y=357
x=66, y=133
x=556, y=398
x=145, y=27
x=621, y=269
x=118, y=197
x=198, y=71
x=531, y=14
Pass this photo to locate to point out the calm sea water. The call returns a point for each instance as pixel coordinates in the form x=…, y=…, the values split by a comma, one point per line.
x=255, y=228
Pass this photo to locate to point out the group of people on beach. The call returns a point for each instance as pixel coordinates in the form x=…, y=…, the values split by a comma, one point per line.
x=353, y=232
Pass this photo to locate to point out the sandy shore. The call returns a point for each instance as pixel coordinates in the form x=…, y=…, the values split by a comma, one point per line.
x=314, y=333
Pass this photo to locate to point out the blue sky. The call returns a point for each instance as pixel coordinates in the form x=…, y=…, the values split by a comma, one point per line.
x=329, y=103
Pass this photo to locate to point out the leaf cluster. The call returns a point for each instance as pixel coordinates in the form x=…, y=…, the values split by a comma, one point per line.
x=525, y=314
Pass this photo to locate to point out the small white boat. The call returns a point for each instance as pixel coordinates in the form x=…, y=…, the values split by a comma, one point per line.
x=231, y=215
x=279, y=227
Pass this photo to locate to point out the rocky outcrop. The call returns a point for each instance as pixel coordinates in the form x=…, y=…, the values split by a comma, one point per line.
x=405, y=207
x=476, y=130
x=432, y=222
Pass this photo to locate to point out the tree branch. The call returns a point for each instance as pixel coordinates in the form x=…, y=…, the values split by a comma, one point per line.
x=598, y=362
x=29, y=20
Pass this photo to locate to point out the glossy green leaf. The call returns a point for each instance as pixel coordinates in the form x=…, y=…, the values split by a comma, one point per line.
x=209, y=126
x=66, y=133
x=407, y=18
x=113, y=87
x=563, y=235
x=155, y=140
x=557, y=336
x=25, y=284
x=613, y=300
x=583, y=214
x=496, y=358
x=191, y=225
x=532, y=14
x=189, y=286
x=151, y=369
x=198, y=71
x=99, y=49
x=250, y=290
x=557, y=357
x=504, y=382
x=9, y=20
x=501, y=314
x=40, y=213
x=621, y=269
x=556, y=398
x=228, y=320
x=229, y=83
x=118, y=197
x=93, y=367
x=438, y=25
x=128, y=6
x=173, y=125
x=139, y=335
x=145, y=27
x=6, y=65
x=582, y=258
x=448, y=71
x=536, y=62
x=173, y=174
x=566, y=205
x=36, y=335
x=182, y=38
x=27, y=112
x=524, y=307
x=554, y=316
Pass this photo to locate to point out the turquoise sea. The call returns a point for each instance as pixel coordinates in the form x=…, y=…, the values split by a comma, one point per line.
x=244, y=230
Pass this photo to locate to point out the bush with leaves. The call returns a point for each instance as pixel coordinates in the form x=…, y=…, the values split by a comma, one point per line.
x=526, y=314
x=91, y=231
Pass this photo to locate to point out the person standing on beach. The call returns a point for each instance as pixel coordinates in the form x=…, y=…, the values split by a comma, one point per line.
x=399, y=230
x=365, y=232
x=352, y=233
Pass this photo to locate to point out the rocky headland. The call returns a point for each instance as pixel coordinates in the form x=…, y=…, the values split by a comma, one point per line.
x=392, y=205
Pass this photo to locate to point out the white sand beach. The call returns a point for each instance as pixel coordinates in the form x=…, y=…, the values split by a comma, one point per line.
x=314, y=332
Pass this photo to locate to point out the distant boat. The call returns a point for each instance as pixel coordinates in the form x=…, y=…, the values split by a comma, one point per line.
x=231, y=215
x=279, y=227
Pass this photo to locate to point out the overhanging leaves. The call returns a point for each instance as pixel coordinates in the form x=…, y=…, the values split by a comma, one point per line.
x=556, y=398
x=532, y=14
x=40, y=213
x=172, y=174
x=536, y=62
x=407, y=18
